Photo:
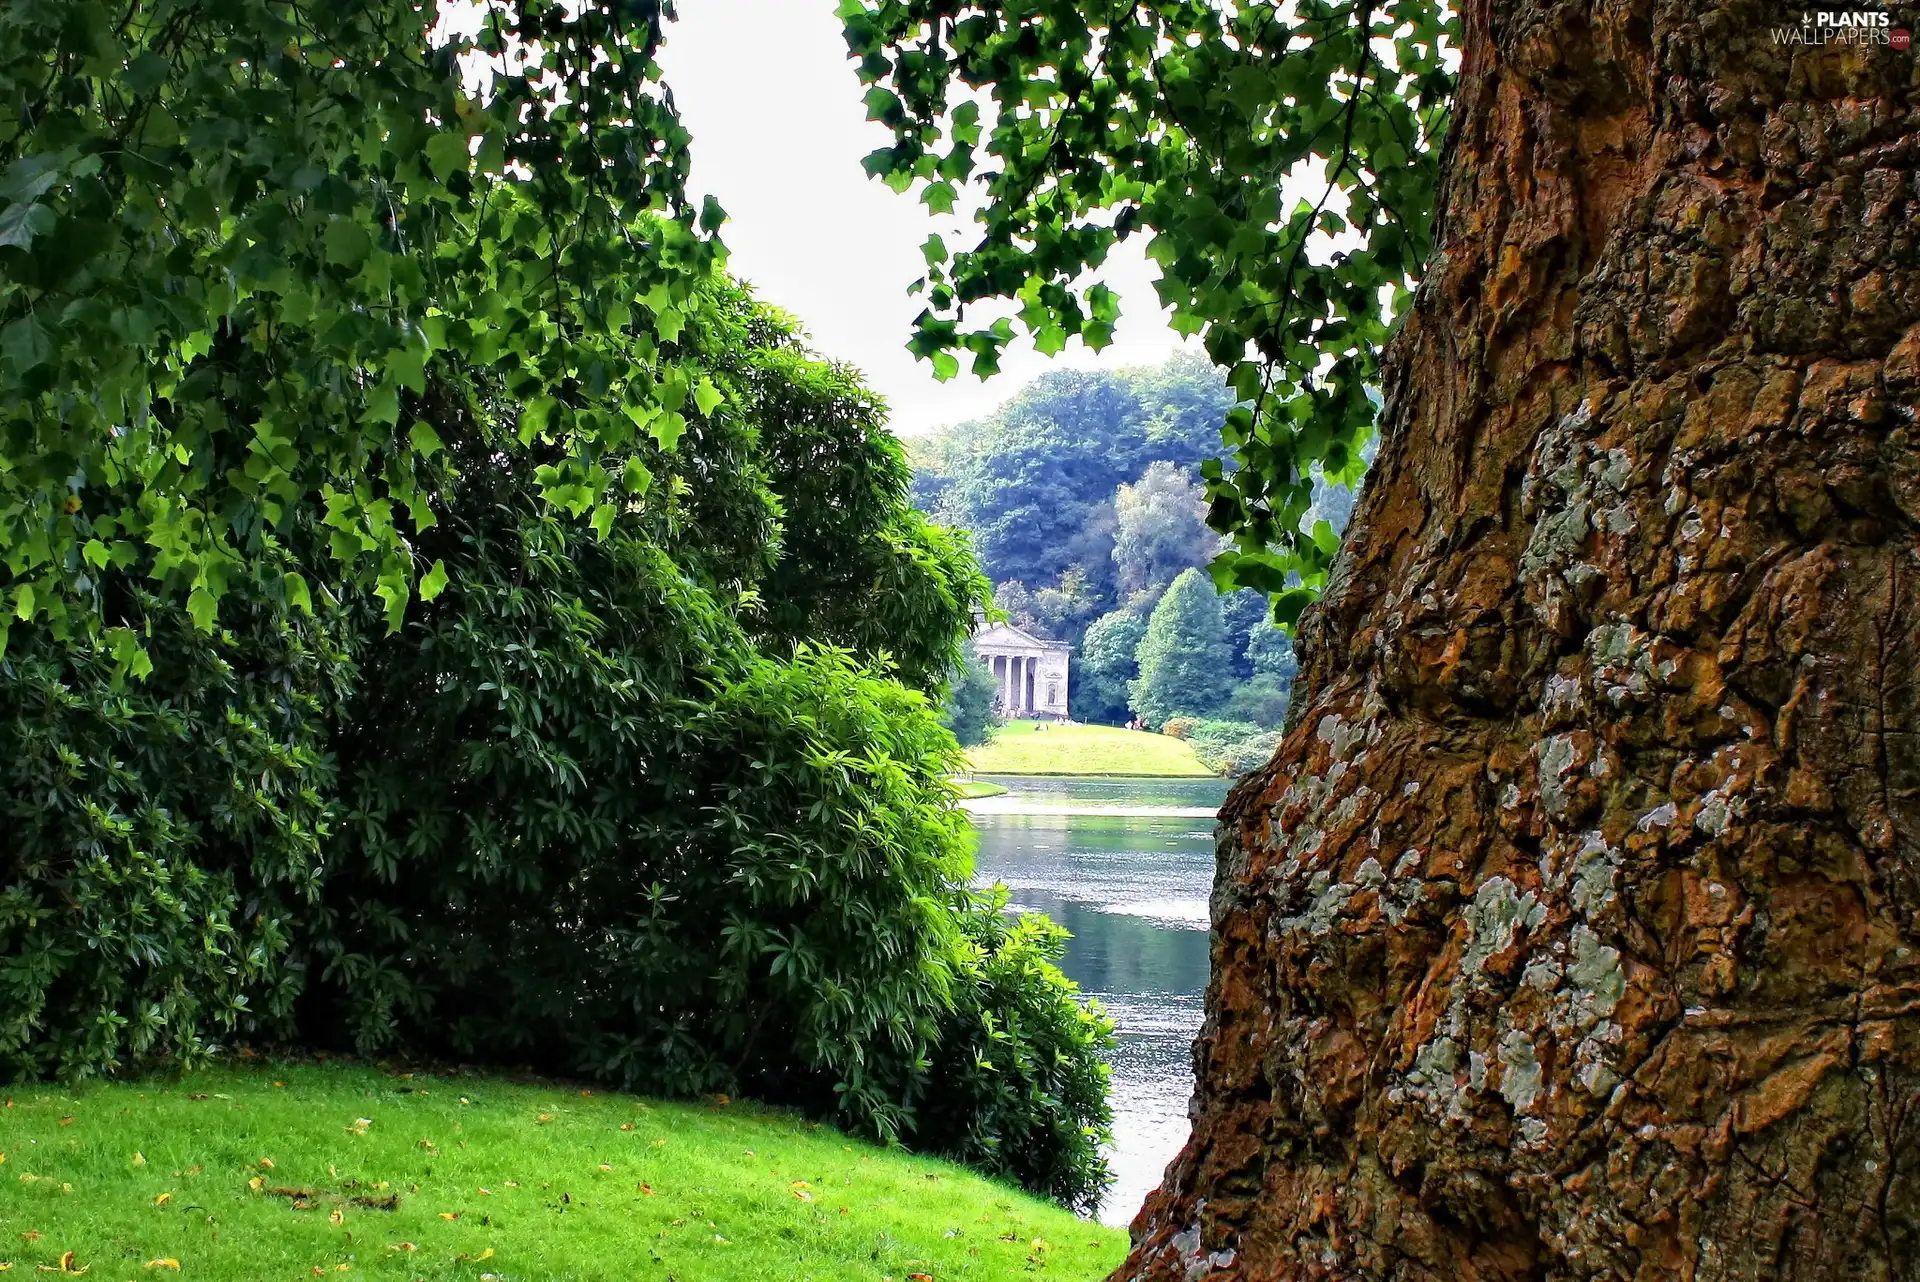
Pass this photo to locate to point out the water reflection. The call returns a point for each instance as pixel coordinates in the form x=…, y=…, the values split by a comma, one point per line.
x=1132, y=888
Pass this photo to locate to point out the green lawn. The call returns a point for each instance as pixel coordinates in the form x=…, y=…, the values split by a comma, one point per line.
x=1023, y=748
x=970, y=788
x=298, y=1171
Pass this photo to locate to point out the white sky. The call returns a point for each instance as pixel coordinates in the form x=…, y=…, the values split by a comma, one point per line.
x=779, y=130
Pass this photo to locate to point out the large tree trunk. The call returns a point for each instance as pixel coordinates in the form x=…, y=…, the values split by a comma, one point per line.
x=1575, y=930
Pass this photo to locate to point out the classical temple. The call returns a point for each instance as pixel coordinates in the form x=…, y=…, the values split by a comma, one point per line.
x=1032, y=673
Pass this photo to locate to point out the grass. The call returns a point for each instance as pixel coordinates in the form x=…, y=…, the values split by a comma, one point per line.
x=971, y=788
x=289, y=1171
x=1021, y=748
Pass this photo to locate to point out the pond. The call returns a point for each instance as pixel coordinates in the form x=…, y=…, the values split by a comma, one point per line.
x=1126, y=865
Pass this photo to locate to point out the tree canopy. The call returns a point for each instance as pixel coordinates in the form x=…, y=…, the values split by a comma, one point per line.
x=1035, y=480
x=1182, y=653
x=1185, y=121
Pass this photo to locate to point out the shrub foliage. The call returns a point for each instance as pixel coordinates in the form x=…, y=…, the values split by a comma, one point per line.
x=438, y=609
x=611, y=804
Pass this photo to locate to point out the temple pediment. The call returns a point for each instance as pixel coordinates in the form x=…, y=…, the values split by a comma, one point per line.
x=1032, y=673
x=1004, y=638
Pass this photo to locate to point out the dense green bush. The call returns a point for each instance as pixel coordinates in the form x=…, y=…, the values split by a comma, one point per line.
x=1230, y=747
x=1019, y=1085
x=1262, y=699
x=606, y=805
x=160, y=837
x=438, y=610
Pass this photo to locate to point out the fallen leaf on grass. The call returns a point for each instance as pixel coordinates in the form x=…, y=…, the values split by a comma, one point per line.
x=486, y=1192
x=336, y=1216
x=66, y=1265
x=266, y=1163
x=255, y=1183
x=360, y=1125
x=163, y=1199
x=403, y=1246
x=647, y=1189
x=66, y=1121
x=139, y=1159
x=449, y=1215
x=605, y=1167
x=625, y=1126
x=5, y=1265
x=919, y=1277
x=543, y=1117
x=484, y=1255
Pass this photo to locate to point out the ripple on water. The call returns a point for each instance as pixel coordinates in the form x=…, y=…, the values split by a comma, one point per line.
x=1133, y=888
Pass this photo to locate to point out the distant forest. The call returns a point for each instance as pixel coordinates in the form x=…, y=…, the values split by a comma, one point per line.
x=1084, y=501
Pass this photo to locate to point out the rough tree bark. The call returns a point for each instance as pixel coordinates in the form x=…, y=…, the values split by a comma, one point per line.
x=1573, y=931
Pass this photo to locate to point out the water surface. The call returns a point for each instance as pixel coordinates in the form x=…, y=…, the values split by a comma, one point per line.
x=1126, y=865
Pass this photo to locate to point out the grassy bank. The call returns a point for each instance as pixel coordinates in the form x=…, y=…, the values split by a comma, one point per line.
x=1023, y=748
x=297, y=1171
x=972, y=789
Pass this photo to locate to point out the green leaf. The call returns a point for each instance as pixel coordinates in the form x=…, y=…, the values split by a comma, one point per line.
x=19, y=224
x=535, y=417
x=25, y=343
x=434, y=581
x=30, y=178
x=202, y=607
x=347, y=242
x=602, y=521
x=667, y=429
x=298, y=598
x=23, y=601
x=1288, y=606
x=424, y=439
x=939, y=197
x=447, y=153
x=711, y=215
x=706, y=396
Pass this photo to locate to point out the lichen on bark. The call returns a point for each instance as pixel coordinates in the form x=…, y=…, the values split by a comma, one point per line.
x=1572, y=931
